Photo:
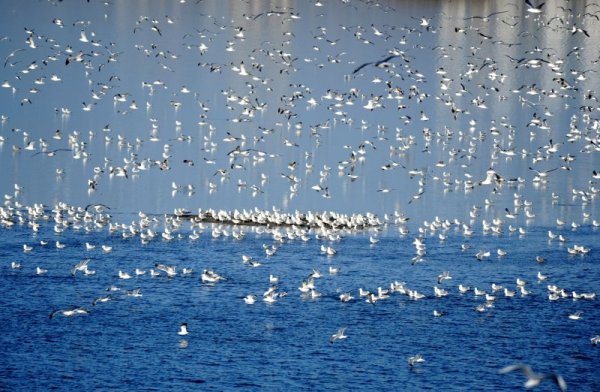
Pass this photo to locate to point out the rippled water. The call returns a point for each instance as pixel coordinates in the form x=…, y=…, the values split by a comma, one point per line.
x=132, y=342
x=474, y=86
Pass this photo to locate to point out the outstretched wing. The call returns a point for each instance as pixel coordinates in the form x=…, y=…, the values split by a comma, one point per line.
x=79, y=266
x=361, y=67
x=526, y=369
x=559, y=380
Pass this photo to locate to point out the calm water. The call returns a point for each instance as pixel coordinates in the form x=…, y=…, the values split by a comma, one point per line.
x=285, y=105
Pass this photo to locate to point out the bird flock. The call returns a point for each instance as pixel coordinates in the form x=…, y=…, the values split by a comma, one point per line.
x=457, y=125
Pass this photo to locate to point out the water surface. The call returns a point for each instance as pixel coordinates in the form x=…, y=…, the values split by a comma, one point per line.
x=286, y=106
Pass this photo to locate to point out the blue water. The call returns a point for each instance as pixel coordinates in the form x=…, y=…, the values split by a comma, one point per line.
x=475, y=86
x=132, y=342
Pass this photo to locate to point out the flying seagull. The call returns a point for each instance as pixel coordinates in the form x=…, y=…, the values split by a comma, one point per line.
x=338, y=335
x=534, y=379
x=378, y=63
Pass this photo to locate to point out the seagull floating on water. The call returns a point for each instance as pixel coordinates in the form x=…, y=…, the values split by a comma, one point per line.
x=415, y=359
x=183, y=329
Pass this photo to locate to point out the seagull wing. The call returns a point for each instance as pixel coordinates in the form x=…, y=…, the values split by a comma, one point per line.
x=338, y=335
x=79, y=266
x=559, y=380
x=388, y=58
x=361, y=67
x=526, y=369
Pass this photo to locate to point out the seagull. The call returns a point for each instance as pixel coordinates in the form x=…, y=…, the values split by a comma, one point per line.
x=183, y=329
x=338, y=335
x=101, y=299
x=443, y=276
x=81, y=266
x=137, y=293
x=12, y=54
x=417, y=358
x=485, y=18
x=69, y=312
x=576, y=315
x=539, y=259
x=482, y=255
x=509, y=215
x=463, y=289
x=169, y=270
x=534, y=379
x=40, y=271
x=346, y=297
x=379, y=63
x=533, y=9
x=209, y=276
x=155, y=28
x=98, y=207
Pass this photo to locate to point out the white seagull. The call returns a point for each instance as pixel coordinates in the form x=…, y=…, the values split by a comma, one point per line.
x=68, y=312
x=183, y=329
x=417, y=358
x=534, y=379
x=338, y=335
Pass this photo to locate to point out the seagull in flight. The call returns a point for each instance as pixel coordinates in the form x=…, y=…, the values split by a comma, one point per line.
x=543, y=173
x=533, y=9
x=338, y=335
x=485, y=18
x=69, y=312
x=443, y=276
x=378, y=63
x=81, y=266
x=534, y=379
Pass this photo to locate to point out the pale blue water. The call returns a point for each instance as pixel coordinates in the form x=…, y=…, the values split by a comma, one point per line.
x=514, y=92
